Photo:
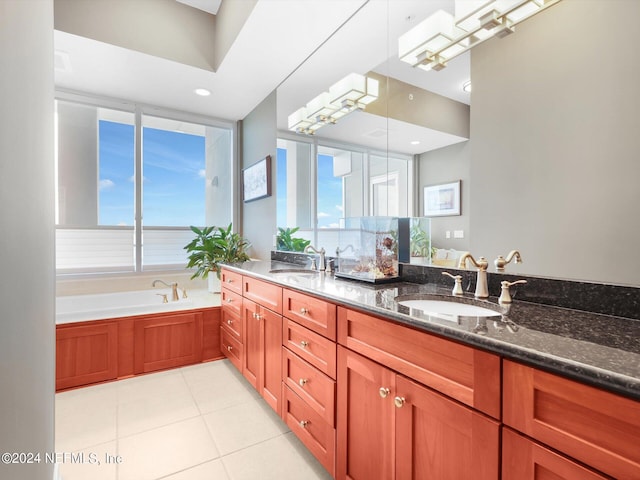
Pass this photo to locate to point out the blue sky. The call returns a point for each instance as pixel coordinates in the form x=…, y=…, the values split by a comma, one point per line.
x=173, y=176
x=329, y=192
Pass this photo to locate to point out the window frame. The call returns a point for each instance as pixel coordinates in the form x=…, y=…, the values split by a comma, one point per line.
x=138, y=109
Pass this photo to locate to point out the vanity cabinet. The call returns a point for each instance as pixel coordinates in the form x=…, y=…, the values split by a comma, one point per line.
x=595, y=427
x=86, y=353
x=309, y=373
x=466, y=374
x=524, y=459
x=390, y=427
x=262, y=351
x=231, y=324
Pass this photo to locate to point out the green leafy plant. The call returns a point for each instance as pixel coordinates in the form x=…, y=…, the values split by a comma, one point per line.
x=419, y=242
x=285, y=240
x=213, y=246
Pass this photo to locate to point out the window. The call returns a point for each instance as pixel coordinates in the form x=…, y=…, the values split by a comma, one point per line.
x=342, y=182
x=120, y=213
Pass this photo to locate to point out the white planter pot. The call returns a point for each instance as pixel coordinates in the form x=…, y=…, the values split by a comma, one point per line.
x=213, y=283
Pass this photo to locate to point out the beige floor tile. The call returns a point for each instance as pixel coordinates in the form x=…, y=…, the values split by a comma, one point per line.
x=166, y=450
x=84, y=417
x=243, y=425
x=154, y=411
x=147, y=386
x=213, y=470
x=280, y=458
x=92, y=465
x=218, y=385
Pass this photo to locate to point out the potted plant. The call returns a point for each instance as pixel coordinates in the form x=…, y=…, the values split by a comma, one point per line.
x=212, y=247
x=288, y=243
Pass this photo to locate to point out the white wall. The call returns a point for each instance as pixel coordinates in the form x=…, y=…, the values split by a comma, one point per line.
x=555, y=143
x=27, y=364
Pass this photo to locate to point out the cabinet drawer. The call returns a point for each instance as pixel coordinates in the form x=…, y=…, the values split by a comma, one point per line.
x=266, y=294
x=464, y=373
x=318, y=436
x=524, y=459
x=232, y=321
x=596, y=427
x=231, y=347
x=315, y=314
x=231, y=280
x=315, y=349
x=231, y=300
x=314, y=387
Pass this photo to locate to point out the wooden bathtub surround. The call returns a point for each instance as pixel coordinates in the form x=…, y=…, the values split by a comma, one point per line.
x=375, y=399
x=104, y=350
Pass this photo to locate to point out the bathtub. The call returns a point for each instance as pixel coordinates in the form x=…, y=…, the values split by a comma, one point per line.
x=80, y=308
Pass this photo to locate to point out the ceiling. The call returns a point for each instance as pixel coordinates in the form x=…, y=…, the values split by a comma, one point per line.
x=276, y=38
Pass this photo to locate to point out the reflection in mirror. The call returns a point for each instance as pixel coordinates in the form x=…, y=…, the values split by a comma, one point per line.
x=548, y=132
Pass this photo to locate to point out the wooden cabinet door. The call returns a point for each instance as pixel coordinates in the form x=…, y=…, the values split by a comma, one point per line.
x=167, y=341
x=439, y=438
x=523, y=459
x=251, y=342
x=86, y=354
x=593, y=426
x=365, y=422
x=262, y=344
x=271, y=358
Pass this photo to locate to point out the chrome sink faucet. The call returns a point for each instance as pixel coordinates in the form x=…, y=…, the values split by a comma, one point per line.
x=321, y=252
x=482, y=289
x=174, y=289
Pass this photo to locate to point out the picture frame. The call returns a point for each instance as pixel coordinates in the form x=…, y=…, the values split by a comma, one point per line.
x=256, y=180
x=442, y=199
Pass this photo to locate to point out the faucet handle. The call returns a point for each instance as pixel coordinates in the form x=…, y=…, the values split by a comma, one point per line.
x=505, y=295
x=313, y=264
x=457, y=288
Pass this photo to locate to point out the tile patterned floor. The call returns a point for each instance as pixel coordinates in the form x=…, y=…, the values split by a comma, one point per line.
x=194, y=423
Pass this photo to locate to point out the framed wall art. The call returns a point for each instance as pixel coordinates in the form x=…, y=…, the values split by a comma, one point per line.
x=442, y=200
x=256, y=180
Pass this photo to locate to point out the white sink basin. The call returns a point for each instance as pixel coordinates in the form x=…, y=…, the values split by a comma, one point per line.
x=444, y=309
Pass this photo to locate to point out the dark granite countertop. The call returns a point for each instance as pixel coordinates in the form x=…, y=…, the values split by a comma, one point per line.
x=600, y=350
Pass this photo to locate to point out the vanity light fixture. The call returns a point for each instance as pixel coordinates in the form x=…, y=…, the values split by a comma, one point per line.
x=353, y=92
x=203, y=92
x=442, y=36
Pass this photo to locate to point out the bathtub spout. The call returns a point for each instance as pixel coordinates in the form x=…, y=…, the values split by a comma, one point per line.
x=174, y=289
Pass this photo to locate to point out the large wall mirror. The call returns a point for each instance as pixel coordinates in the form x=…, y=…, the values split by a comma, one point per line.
x=530, y=145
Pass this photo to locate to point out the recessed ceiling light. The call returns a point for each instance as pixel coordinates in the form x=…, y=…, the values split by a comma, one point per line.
x=203, y=92
x=415, y=142
x=466, y=86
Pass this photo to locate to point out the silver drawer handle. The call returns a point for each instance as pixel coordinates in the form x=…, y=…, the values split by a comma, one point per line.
x=302, y=381
x=304, y=344
x=229, y=322
x=304, y=423
x=229, y=300
x=229, y=347
x=304, y=311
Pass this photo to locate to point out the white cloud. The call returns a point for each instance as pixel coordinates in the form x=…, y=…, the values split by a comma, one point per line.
x=202, y=173
x=323, y=215
x=340, y=208
x=106, y=184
